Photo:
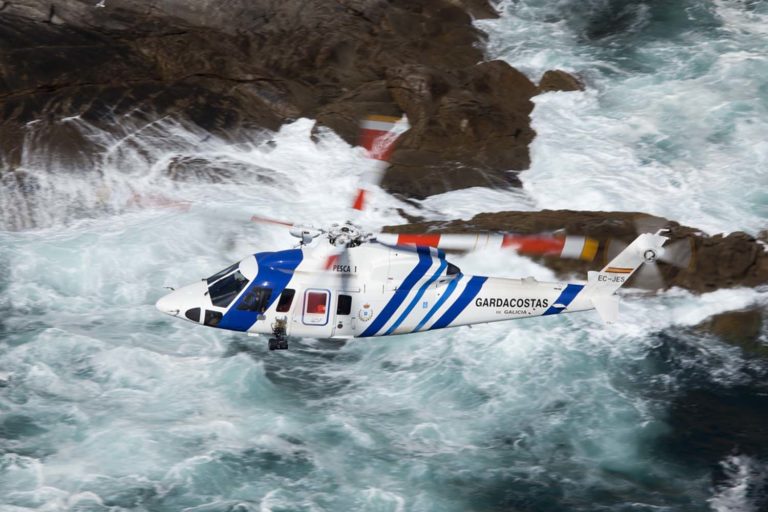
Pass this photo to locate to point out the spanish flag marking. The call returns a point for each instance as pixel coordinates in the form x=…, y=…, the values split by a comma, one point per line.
x=619, y=270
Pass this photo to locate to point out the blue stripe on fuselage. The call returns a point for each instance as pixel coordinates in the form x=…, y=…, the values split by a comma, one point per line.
x=448, y=291
x=565, y=298
x=470, y=291
x=418, y=296
x=275, y=271
x=425, y=261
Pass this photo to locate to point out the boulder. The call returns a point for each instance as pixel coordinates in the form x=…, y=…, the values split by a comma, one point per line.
x=559, y=80
x=470, y=127
x=742, y=328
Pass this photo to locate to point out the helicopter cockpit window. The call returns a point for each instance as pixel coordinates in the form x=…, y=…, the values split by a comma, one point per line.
x=223, y=292
x=256, y=300
x=212, y=318
x=452, y=270
x=218, y=275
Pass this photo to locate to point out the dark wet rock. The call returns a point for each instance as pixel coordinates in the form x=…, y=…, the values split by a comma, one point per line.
x=219, y=65
x=72, y=69
x=558, y=80
x=720, y=261
x=197, y=169
x=344, y=114
x=743, y=328
x=470, y=127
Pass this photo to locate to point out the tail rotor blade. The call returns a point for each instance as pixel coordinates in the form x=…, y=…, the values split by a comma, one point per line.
x=649, y=277
x=678, y=253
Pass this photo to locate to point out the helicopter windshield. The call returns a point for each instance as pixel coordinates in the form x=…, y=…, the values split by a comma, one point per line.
x=225, y=290
x=218, y=275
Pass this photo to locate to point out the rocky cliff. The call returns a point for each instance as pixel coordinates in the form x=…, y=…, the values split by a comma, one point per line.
x=236, y=67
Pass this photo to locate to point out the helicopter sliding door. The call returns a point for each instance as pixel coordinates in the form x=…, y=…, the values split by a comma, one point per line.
x=316, y=316
x=316, y=307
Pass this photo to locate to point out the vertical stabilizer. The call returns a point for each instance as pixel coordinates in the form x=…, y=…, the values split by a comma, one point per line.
x=603, y=284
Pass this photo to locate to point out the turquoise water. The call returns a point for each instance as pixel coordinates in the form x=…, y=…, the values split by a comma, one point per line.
x=106, y=404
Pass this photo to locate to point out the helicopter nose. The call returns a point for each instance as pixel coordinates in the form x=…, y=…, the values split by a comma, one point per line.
x=168, y=304
x=179, y=301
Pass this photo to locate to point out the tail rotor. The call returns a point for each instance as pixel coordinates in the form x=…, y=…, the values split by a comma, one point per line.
x=660, y=264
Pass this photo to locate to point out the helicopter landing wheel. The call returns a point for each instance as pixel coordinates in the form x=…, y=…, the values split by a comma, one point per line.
x=278, y=344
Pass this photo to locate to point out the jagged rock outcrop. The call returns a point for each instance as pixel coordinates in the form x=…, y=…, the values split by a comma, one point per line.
x=744, y=328
x=720, y=261
x=235, y=67
x=470, y=128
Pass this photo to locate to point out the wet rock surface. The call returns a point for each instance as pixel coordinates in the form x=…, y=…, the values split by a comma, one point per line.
x=470, y=128
x=719, y=261
x=222, y=66
x=559, y=80
x=237, y=67
x=745, y=328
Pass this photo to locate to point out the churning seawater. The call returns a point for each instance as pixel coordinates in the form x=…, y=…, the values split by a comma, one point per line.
x=105, y=404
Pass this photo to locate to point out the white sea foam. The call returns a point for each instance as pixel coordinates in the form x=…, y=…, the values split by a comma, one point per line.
x=742, y=473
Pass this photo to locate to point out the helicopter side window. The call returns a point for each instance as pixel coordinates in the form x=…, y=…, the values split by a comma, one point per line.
x=452, y=270
x=344, y=306
x=224, y=291
x=317, y=302
x=193, y=314
x=256, y=300
x=285, y=301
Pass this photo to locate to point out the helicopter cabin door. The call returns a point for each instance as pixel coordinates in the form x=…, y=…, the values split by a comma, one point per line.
x=316, y=313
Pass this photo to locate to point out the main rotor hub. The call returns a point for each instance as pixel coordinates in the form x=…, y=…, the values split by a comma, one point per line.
x=346, y=234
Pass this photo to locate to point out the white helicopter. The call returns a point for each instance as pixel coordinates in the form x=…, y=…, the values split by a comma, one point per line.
x=344, y=282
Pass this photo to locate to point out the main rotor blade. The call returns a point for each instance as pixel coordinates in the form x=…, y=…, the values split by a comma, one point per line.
x=395, y=246
x=334, y=257
x=378, y=135
x=544, y=244
x=615, y=247
x=267, y=220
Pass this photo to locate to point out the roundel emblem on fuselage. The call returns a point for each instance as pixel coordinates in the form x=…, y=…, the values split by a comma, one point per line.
x=365, y=313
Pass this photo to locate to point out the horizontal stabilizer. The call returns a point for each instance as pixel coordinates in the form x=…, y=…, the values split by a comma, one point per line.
x=607, y=306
